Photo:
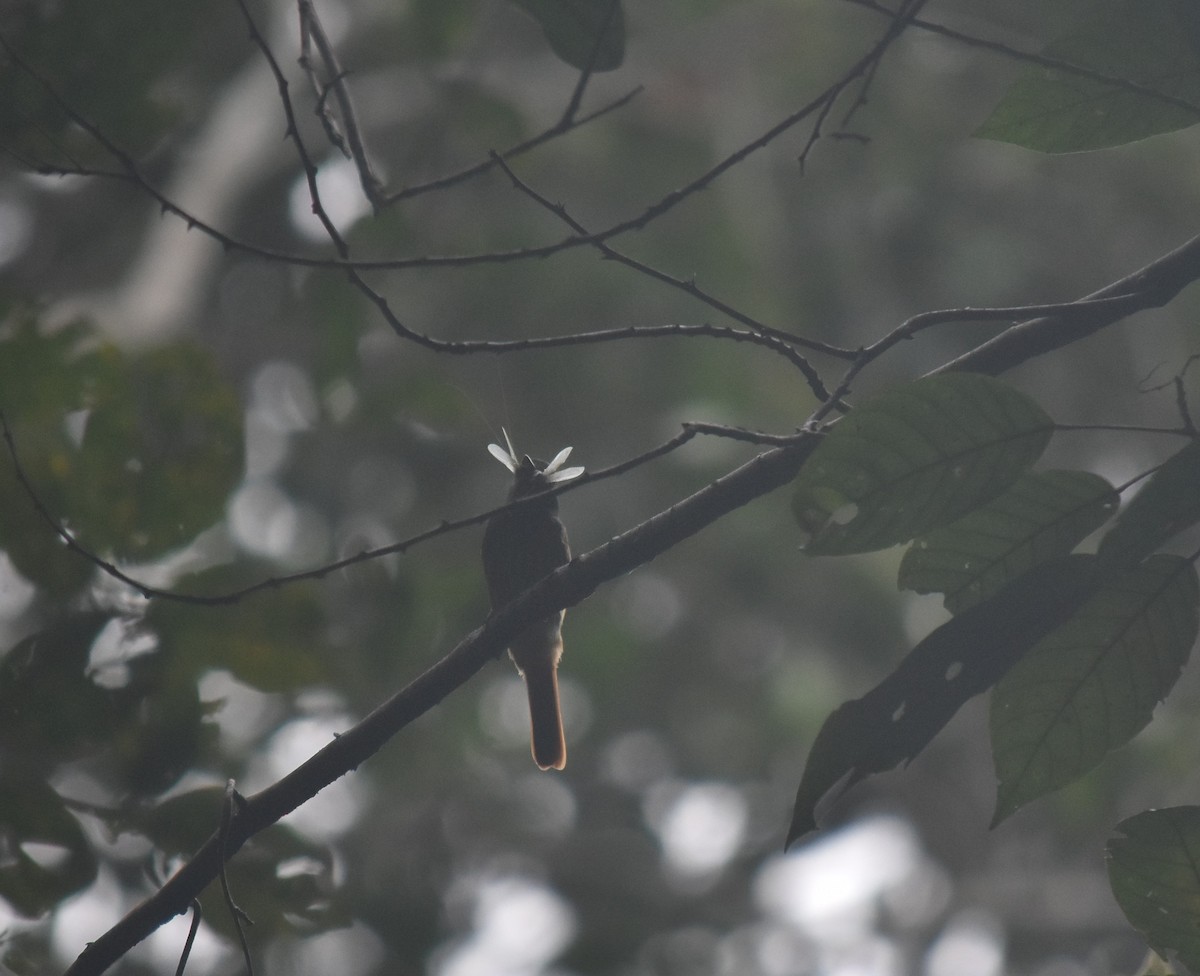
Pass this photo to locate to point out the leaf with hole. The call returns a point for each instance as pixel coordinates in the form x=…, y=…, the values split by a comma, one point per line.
x=1168, y=504
x=915, y=458
x=1092, y=684
x=897, y=718
x=1044, y=515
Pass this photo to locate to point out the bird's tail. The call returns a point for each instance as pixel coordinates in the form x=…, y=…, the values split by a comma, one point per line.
x=545, y=716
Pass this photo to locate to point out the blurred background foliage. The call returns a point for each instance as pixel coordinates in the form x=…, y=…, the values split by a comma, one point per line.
x=207, y=418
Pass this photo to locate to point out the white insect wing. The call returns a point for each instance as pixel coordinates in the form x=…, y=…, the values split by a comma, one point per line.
x=566, y=474
x=558, y=460
x=505, y=458
x=554, y=476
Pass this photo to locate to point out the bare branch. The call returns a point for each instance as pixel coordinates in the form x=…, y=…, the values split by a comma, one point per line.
x=354, y=146
x=558, y=129
x=274, y=582
x=784, y=339
x=293, y=132
x=1153, y=286
x=565, y=587
x=1041, y=60
x=648, y=215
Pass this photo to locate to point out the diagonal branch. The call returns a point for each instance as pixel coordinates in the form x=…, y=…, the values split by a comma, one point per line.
x=1156, y=284
x=1152, y=286
x=565, y=587
x=1040, y=60
x=782, y=343
x=353, y=144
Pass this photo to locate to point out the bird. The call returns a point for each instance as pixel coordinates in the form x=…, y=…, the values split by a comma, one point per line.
x=522, y=544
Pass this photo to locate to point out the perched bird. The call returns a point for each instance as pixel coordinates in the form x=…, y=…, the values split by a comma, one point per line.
x=522, y=545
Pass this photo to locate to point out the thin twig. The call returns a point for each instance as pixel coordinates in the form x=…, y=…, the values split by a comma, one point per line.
x=556, y=130
x=311, y=26
x=1040, y=60
x=197, y=914
x=232, y=798
x=636, y=223
x=758, y=437
x=292, y=132
x=904, y=16
x=132, y=173
x=586, y=73
x=275, y=582
x=786, y=340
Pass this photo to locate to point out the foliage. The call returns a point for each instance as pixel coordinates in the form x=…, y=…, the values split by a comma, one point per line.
x=236, y=550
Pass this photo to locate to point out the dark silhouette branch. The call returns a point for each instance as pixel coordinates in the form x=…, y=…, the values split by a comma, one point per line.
x=1040, y=60
x=353, y=145
x=444, y=527
x=565, y=587
x=568, y=586
x=815, y=107
x=784, y=341
x=292, y=132
x=520, y=149
x=1152, y=286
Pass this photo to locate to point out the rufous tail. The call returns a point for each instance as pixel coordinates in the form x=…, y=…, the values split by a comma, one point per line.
x=545, y=716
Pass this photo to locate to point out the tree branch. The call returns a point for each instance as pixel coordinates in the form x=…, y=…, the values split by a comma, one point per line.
x=564, y=588
x=1152, y=286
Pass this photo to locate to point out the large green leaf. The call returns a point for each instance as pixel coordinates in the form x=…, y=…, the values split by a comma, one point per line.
x=1154, y=43
x=1154, y=870
x=160, y=454
x=897, y=718
x=273, y=641
x=46, y=856
x=130, y=46
x=1092, y=684
x=573, y=28
x=135, y=456
x=915, y=458
x=1167, y=505
x=1045, y=514
x=44, y=379
x=51, y=709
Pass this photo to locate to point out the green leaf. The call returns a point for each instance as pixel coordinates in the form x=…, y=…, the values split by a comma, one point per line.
x=1152, y=868
x=161, y=452
x=135, y=457
x=1153, y=43
x=46, y=856
x=285, y=884
x=894, y=721
x=272, y=641
x=1168, y=504
x=1092, y=684
x=182, y=823
x=573, y=28
x=1045, y=514
x=77, y=42
x=50, y=708
x=283, y=881
x=44, y=379
x=915, y=458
